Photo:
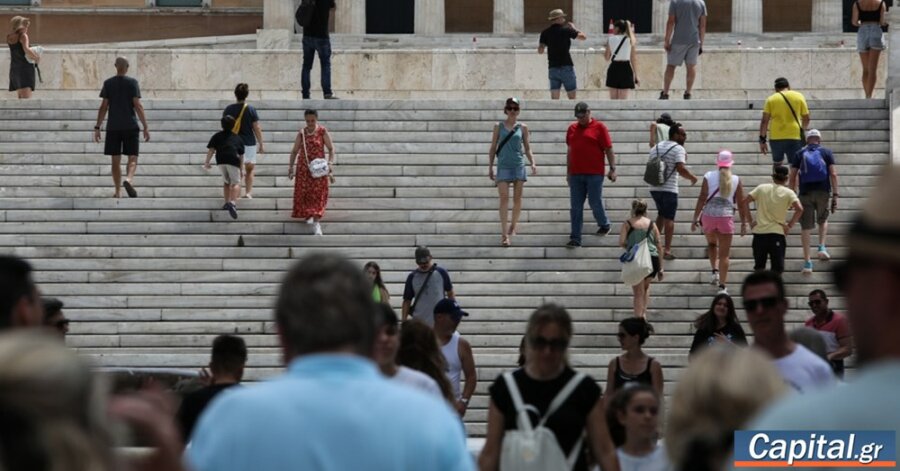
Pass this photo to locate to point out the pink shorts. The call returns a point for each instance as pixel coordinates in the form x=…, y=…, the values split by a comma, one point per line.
x=722, y=224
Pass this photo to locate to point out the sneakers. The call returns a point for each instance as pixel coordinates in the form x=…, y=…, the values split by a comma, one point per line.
x=232, y=210
x=317, y=229
x=604, y=230
x=687, y=96
x=715, y=278
x=722, y=290
x=331, y=96
x=807, y=267
x=573, y=243
x=823, y=254
x=663, y=96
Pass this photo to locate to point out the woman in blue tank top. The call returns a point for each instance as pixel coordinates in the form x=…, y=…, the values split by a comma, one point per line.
x=510, y=147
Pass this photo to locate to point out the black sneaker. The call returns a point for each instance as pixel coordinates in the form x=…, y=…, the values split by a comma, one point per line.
x=132, y=193
x=573, y=243
x=232, y=210
x=687, y=96
x=225, y=206
x=331, y=97
x=604, y=230
x=663, y=96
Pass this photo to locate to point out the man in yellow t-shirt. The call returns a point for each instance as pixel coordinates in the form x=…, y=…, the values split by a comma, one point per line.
x=786, y=111
x=769, y=229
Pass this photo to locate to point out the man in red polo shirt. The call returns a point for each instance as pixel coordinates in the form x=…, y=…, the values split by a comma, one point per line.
x=834, y=329
x=588, y=141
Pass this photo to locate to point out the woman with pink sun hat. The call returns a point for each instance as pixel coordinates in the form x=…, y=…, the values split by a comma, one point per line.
x=719, y=198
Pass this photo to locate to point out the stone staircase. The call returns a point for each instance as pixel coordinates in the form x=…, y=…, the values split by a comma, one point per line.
x=150, y=281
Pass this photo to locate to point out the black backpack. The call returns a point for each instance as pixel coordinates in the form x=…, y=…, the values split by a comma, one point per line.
x=304, y=15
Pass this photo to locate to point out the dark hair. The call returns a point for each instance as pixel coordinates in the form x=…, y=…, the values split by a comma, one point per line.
x=820, y=292
x=229, y=354
x=549, y=314
x=419, y=350
x=325, y=303
x=241, y=91
x=780, y=173
x=15, y=283
x=619, y=403
x=521, y=360
x=763, y=277
x=637, y=326
x=378, y=281
x=638, y=207
x=621, y=25
x=674, y=129
x=707, y=320
x=781, y=83
x=227, y=122
x=52, y=307
x=310, y=112
x=385, y=316
x=667, y=120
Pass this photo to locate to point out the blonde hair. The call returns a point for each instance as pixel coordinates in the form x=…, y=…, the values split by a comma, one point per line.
x=638, y=208
x=19, y=22
x=725, y=182
x=719, y=392
x=52, y=404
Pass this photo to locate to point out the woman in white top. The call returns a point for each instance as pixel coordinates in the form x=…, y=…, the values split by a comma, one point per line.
x=719, y=197
x=621, y=53
x=633, y=421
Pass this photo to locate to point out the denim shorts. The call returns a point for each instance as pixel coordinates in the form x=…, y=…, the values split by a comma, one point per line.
x=250, y=154
x=784, y=148
x=869, y=37
x=666, y=203
x=563, y=77
x=517, y=174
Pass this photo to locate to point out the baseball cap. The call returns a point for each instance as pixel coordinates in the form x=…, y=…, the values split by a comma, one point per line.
x=512, y=101
x=813, y=133
x=581, y=109
x=666, y=116
x=725, y=159
x=449, y=306
x=422, y=254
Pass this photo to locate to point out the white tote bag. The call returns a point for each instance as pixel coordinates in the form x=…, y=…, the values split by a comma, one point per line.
x=641, y=265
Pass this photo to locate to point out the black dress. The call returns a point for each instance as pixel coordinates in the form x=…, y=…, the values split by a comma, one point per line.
x=21, y=72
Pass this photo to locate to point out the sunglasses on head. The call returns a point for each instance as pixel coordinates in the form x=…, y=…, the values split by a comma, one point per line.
x=540, y=343
x=750, y=305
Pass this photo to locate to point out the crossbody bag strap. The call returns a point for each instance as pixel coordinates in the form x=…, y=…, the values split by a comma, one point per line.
x=523, y=422
x=412, y=308
x=507, y=138
x=662, y=158
x=624, y=38
x=713, y=193
x=793, y=113
x=237, y=123
x=303, y=139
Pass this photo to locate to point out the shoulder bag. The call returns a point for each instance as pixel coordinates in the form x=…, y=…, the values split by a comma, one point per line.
x=236, y=129
x=412, y=309
x=318, y=167
x=637, y=262
x=802, y=131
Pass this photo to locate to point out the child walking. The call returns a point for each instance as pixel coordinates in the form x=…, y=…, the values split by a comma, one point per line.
x=229, y=151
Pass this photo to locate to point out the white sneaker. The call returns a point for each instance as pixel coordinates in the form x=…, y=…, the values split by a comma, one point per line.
x=823, y=254
x=317, y=229
x=722, y=290
x=310, y=221
x=807, y=267
x=715, y=279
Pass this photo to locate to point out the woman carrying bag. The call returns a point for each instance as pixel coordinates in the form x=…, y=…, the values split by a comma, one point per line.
x=641, y=262
x=313, y=171
x=621, y=53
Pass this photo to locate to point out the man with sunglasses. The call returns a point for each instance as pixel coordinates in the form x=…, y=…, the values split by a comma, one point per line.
x=870, y=281
x=54, y=317
x=425, y=286
x=834, y=329
x=766, y=306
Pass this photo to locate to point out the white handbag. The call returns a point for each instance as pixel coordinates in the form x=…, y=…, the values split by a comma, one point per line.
x=634, y=271
x=318, y=167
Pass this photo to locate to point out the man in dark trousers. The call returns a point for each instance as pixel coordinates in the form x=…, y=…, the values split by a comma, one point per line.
x=122, y=98
x=316, y=41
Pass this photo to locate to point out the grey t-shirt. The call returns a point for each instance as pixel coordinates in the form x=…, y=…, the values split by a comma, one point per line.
x=438, y=285
x=687, y=20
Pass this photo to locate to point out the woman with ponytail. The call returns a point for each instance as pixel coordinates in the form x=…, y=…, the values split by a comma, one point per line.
x=621, y=53
x=719, y=197
x=633, y=232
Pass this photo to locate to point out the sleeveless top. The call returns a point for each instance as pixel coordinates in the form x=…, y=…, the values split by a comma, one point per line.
x=17, y=55
x=454, y=364
x=720, y=205
x=662, y=132
x=622, y=379
x=315, y=143
x=512, y=154
x=869, y=15
x=624, y=54
x=635, y=236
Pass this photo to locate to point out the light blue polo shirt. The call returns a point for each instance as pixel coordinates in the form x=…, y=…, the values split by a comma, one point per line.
x=329, y=412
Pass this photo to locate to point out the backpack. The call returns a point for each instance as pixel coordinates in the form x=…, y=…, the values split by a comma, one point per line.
x=535, y=448
x=655, y=172
x=813, y=168
x=304, y=14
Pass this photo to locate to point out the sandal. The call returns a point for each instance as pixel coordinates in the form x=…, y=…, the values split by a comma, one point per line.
x=505, y=241
x=687, y=96
x=511, y=231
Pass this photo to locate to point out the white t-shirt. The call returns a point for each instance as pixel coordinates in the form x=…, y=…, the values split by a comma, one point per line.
x=417, y=380
x=655, y=461
x=676, y=155
x=804, y=371
x=624, y=54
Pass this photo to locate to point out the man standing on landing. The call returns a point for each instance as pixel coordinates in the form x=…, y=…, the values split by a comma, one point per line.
x=557, y=39
x=685, y=31
x=122, y=98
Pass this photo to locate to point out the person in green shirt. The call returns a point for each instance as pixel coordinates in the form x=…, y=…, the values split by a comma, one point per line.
x=379, y=291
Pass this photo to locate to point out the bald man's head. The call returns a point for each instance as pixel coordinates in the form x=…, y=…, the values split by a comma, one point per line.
x=121, y=64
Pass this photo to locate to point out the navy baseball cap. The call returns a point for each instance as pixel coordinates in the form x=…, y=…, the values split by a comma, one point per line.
x=449, y=306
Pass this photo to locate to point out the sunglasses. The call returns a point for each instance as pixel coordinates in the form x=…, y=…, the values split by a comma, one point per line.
x=557, y=345
x=512, y=108
x=750, y=305
x=815, y=302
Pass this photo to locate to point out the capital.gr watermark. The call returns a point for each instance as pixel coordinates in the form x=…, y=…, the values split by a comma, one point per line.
x=825, y=449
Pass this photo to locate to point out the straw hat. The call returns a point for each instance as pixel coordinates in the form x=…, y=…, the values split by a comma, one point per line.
x=554, y=14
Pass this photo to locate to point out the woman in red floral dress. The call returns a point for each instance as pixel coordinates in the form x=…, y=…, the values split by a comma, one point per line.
x=310, y=194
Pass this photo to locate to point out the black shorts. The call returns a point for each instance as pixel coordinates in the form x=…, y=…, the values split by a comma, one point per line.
x=122, y=143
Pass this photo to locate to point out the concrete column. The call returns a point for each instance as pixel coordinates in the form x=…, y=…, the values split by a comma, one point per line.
x=350, y=17
x=827, y=16
x=278, y=14
x=747, y=16
x=660, y=16
x=429, y=17
x=892, y=84
x=588, y=16
x=509, y=16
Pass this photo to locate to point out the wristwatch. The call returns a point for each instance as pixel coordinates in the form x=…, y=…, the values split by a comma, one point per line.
x=612, y=169
x=96, y=128
x=763, y=139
